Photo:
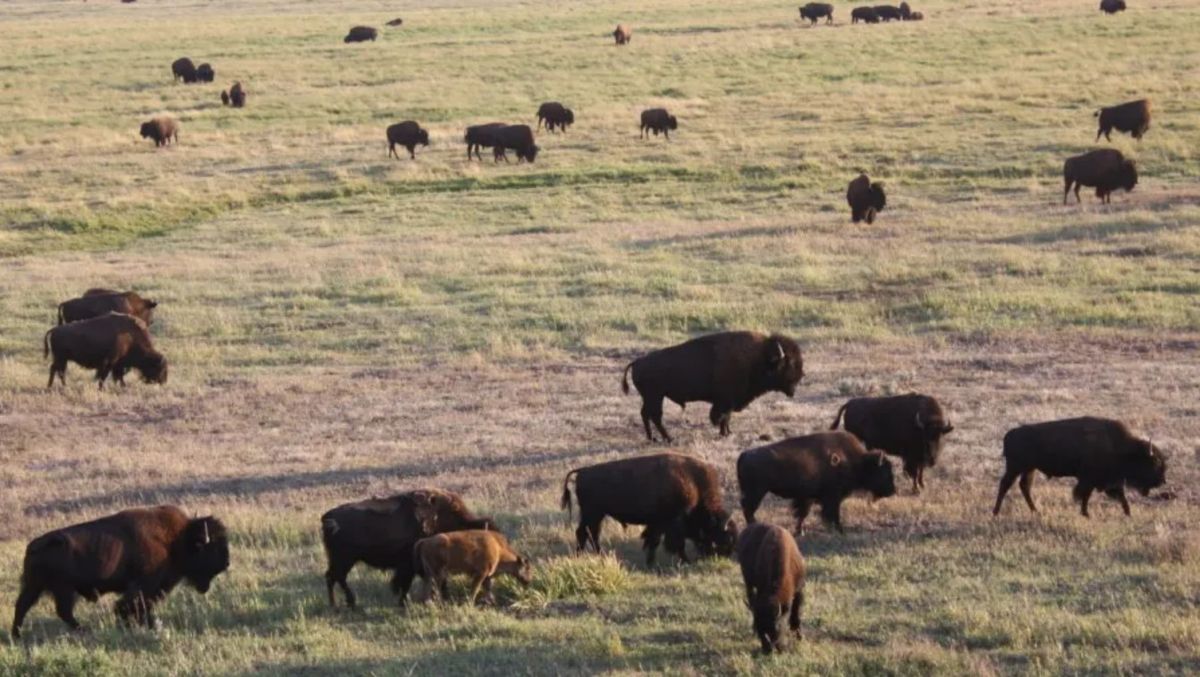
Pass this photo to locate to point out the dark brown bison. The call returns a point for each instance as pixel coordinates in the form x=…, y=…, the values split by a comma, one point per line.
x=888, y=13
x=97, y=302
x=396, y=22
x=184, y=69
x=905, y=11
x=773, y=571
x=821, y=468
x=728, y=370
x=676, y=497
x=1112, y=6
x=866, y=199
x=817, y=10
x=1105, y=169
x=205, y=73
x=110, y=344
x=623, y=34
x=1100, y=453
x=381, y=532
x=1132, y=117
x=163, y=130
x=554, y=114
x=236, y=96
x=361, y=34
x=141, y=553
x=867, y=14
x=658, y=120
x=909, y=426
x=407, y=134
x=481, y=136
x=517, y=138
x=916, y=16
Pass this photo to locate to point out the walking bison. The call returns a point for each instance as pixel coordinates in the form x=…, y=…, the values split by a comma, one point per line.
x=658, y=120
x=909, y=426
x=866, y=199
x=479, y=553
x=407, y=134
x=1132, y=117
x=817, y=10
x=1105, y=169
x=110, y=344
x=481, y=136
x=518, y=138
x=773, y=573
x=554, y=114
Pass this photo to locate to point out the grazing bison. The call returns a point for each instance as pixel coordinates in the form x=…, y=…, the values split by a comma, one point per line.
x=1105, y=169
x=821, y=468
x=163, y=130
x=866, y=199
x=773, y=571
x=396, y=22
x=236, y=96
x=361, y=34
x=205, y=73
x=184, y=69
x=728, y=370
x=481, y=136
x=1100, y=453
x=97, y=302
x=817, y=10
x=1112, y=6
x=407, y=134
x=382, y=532
x=110, y=344
x=888, y=13
x=909, y=426
x=623, y=34
x=676, y=497
x=658, y=120
x=517, y=138
x=141, y=553
x=554, y=114
x=867, y=14
x=1132, y=118
x=478, y=553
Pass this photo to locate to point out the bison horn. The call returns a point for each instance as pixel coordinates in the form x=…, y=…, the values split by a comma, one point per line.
x=207, y=540
x=918, y=420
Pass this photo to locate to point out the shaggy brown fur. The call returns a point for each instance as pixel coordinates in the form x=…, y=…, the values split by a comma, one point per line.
x=97, y=302
x=773, y=572
x=1105, y=169
x=658, y=120
x=110, y=344
x=480, y=554
x=1132, y=117
x=909, y=426
x=361, y=34
x=623, y=34
x=163, y=130
x=408, y=134
x=866, y=199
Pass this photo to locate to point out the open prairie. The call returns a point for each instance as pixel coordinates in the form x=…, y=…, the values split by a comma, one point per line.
x=341, y=324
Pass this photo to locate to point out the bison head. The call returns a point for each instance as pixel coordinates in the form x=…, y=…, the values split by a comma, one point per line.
x=672, y=123
x=1146, y=468
x=932, y=429
x=531, y=153
x=568, y=116
x=149, y=130
x=524, y=571
x=153, y=368
x=423, y=137
x=876, y=476
x=1128, y=176
x=203, y=553
x=785, y=364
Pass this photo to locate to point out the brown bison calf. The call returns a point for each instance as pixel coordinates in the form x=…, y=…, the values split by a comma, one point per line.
x=866, y=199
x=676, y=497
x=817, y=10
x=162, y=130
x=407, y=134
x=773, y=571
x=480, y=554
x=361, y=34
x=822, y=468
x=1105, y=169
x=1132, y=118
x=110, y=344
x=909, y=426
x=623, y=34
x=728, y=370
x=97, y=302
x=1100, y=453
x=381, y=532
x=1112, y=6
x=658, y=120
x=236, y=96
x=141, y=553
x=554, y=114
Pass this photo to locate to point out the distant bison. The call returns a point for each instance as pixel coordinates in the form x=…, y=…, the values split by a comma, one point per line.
x=183, y=69
x=110, y=344
x=479, y=553
x=1112, y=6
x=677, y=498
x=909, y=426
x=866, y=199
x=518, y=138
x=1132, y=118
x=623, y=34
x=1100, y=453
x=396, y=22
x=658, y=120
x=888, y=13
x=773, y=572
x=822, y=468
x=554, y=114
x=361, y=34
x=382, y=532
x=729, y=370
x=916, y=16
x=163, y=130
x=817, y=10
x=905, y=11
x=408, y=134
x=867, y=14
x=205, y=73
x=236, y=96
x=481, y=136
x=97, y=302
x=1105, y=169
x=141, y=553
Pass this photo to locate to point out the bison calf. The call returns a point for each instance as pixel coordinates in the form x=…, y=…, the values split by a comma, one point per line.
x=773, y=571
x=554, y=114
x=866, y=199
x=407, y=134
x=1100, y=453
x=658, y=120
x=1105, y=169
x=817, y=10
x=361, y=34
x=623, y=34
x=1133, y=118
x=236, y=96
x=480, y=554
x=110, y=344
x=909, y=426
x=97, y=302
x=163, y=130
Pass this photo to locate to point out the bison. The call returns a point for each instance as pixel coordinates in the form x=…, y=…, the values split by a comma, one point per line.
x=554, y=114
x=1112, y=6
x=407, y=134
x=97, y=302
x=821, y=468
x=141, y=553
x=478, y=553
x=676, y=497
x=623, y=34
x=517, y=138
x=867, y=14
x=361, y=34
x=773, y=571
x=163, y=130
x=916, y=16
x=817, y=10
x=888, y=13
x=909, y=426
x=728, y=370
x=658, y=120
x=110, y=344
x=183, y=69
x=205, y=73
x=481, y=136
x=905, y=11
x=1105, y=169
x=236, y=96
x=1100, y=453
x=381, y=532
x=866, y=199
x=1132, y=117
x=396, y=22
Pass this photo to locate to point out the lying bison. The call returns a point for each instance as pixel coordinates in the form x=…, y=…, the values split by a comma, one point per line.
x=728, y=370
x=1100, y=453
x=110, y=344
x=183, y=69
x=658, y=120
x=916, y=16
x=623, y=34
x=381, y=532
x=773, y=572
x=1105, y=169
x=481, y=554
x=676, y=497
x=866, y=14
x=554, y=114
x=163, y=130
x=97, y=302
x=866, y=199
x=517, y=138
x=236, y=96
x=1112, y=6
x=909, y=426
x=408, y=134
x=1132, y=117
x=361, y=34
x=396, y=22
x=481, y=136
x=141, y=553
x=817, y=10
x=822, y=468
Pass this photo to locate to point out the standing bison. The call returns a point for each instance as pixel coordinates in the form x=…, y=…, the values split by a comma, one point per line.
x=1112, y=6
x=205, y=73
x=909, y=426
x=623, y=34
x=236, y=96
x=1100, y=453
x=141, y=553
x=888, y=13
x=773, y=572
x=110, y=344
x=97, y=302
x=407, y=134
x=1105, y=169
x=728, y=370
x=361, y=34
x=518, y=138
x=658, y=120
x=481, y=136
x=865, y=14
x=1132, y=117
x=817, y=10
x=183, y=69
x=866, y=199
x=823, y=468
x=676, y=497
x=163, y=130
x=554, y=114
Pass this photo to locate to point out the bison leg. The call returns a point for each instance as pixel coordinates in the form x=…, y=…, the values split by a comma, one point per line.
x=64, y=606
x=336, y=575
x=29, y=596
x=751, y=498
x=1027, y=489
x=1083, y=493
x=1118, y=495
x=1067, y=190
x=392, y=150
x=412, y=152
x=402, y=579
x=1006, y=483
x=651, y=537
x=794, y=616
x=831, y=513
x=913, y=470
x=676, y=543
x=588, y=531
x=652, y=411
x=800, y=508
x=719, y=415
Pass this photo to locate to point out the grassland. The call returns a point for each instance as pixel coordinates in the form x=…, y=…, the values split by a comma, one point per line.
x=341, y=324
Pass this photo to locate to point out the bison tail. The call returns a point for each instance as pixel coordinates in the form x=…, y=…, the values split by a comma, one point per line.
x=625, y=378
x=565, y=504
x=838, y=419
